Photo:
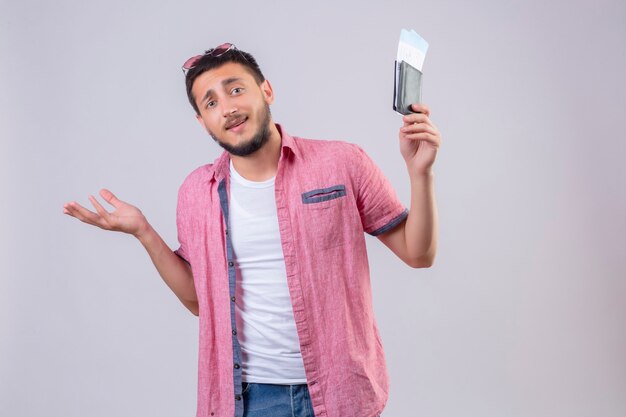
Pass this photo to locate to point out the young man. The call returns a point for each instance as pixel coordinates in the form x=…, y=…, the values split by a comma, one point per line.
x=272, y=254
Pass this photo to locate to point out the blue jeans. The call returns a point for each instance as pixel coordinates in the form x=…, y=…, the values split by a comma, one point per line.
x=269, y=400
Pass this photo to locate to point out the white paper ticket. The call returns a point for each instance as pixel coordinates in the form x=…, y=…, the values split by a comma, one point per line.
x=412, y=48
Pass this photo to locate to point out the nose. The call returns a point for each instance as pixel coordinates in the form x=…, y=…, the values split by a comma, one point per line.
x=228, y=108
x=227, y=112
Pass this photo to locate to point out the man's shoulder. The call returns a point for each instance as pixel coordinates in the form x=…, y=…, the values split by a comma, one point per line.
x=313, y=148
x=197, y=177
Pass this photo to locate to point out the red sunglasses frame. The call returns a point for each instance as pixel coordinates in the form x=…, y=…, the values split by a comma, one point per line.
x=214, y=52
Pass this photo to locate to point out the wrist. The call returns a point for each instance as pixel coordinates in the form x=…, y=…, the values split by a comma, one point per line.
x=144, y=232
x=421, y=174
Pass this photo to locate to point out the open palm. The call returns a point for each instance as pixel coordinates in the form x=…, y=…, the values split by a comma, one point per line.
x=125, y=218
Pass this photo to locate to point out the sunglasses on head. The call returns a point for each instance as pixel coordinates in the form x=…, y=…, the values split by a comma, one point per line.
x=214, y=52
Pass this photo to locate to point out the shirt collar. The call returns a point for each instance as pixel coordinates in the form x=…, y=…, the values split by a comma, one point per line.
x=220, y=169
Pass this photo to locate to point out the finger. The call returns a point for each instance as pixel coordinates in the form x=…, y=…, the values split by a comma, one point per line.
x=426, y=137
x=420, y=108
x=101, y=210
x=418, y=128
x=81, y=213
x=110, y=198
x=415, y=118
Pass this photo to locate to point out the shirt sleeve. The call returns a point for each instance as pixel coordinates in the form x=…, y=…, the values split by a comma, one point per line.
x=181, y=227
x=378, y=204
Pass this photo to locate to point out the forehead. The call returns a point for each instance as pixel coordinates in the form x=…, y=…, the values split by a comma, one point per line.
x=213, y=78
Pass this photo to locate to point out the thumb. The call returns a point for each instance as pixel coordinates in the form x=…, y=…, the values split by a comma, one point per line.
x=110, y=198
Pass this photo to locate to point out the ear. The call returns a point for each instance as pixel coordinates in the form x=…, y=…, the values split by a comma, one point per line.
x=201, y=120
x=268, y=92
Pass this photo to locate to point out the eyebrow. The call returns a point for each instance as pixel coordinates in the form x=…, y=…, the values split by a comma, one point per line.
x=225, y=82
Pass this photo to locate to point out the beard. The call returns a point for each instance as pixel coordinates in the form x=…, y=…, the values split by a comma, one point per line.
x=256, y=142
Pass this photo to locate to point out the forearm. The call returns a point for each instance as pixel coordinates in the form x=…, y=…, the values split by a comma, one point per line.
x=175, y=272
x=421, y=227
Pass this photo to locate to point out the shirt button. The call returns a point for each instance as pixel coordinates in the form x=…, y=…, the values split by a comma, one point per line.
x=237, y=366
x=226, y=231
x=234, y=332
x=232, y=298
x=238, y=397
x=230, y=264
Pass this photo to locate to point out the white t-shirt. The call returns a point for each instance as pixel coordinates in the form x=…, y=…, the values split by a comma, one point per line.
x=266, y=328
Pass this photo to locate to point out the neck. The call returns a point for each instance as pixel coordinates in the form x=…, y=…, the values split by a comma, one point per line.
x=263, y=164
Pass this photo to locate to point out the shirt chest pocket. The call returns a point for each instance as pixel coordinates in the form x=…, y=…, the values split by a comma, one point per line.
x=323, y=211
x=323, y=194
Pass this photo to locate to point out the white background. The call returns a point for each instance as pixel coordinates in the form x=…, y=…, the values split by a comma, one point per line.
x=523, y=312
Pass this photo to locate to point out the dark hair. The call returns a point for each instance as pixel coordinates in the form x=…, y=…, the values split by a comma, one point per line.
x=209, y=62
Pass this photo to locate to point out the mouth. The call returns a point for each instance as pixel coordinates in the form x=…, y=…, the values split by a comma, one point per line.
x=235, y=123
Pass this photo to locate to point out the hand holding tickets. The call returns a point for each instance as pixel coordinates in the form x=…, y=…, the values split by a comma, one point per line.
x=412, y=50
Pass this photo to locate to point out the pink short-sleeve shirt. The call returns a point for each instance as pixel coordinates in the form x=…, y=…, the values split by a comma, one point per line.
x=328, y=193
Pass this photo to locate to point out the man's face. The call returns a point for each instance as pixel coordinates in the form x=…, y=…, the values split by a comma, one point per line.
x=234, y=109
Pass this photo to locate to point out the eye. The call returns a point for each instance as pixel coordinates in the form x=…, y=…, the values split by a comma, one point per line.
x=210, y=104
x=236, y=90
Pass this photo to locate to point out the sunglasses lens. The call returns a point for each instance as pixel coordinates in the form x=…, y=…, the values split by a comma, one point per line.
x=221, y=50
x=191, y=62
x=215, y=52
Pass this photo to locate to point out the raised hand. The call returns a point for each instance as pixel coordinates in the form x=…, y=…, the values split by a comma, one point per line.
x=419, y=140
x=125, y=218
